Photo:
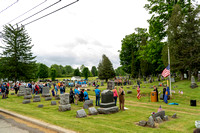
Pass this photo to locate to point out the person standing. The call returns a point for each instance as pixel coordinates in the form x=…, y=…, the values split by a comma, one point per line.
x=156, y=90
x=76, y=92
x=56, y=89
x=97, y=92
x=86, y=97
x=71, y=93
x=121, y=98
x=3, y=89
x=115, y=95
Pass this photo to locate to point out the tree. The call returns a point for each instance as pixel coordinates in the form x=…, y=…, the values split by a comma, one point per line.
x=105, y=69
x=53, y=74
x=17, y=60
x=94, y=71
x=58, y=70
x=184, y=40
x=77, y=72
x=69, y=70
x=86, y=72
x=119, y=72
x=43, y=71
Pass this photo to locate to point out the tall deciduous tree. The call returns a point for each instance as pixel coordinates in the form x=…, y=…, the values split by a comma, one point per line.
x=77, y=72
x=58, y=70
x=43, y=71
x=105, y=69
x=69, y=70
x=53, y=74
x=17, y=60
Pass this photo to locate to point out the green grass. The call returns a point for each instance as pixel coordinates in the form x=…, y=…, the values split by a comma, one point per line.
x=123, y=121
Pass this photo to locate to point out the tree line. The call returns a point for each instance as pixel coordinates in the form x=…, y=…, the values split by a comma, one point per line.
x=174, y=24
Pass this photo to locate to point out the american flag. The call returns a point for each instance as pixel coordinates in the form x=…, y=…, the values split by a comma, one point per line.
x=138, y=92
x=166, y=71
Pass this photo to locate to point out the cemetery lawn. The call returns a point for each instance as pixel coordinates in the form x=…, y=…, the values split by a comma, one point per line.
x=123, y=121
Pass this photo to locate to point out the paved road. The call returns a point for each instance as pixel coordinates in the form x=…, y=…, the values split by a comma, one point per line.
x=8, y=125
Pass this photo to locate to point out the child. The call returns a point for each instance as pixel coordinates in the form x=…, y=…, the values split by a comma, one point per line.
x=53, y=93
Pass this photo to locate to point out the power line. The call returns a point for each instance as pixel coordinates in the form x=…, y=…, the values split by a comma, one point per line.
x=51, y=13
x=27, y=11
x=9, y=6
x=40, y=11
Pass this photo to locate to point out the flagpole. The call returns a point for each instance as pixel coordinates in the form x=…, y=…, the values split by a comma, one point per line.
x=170, y=73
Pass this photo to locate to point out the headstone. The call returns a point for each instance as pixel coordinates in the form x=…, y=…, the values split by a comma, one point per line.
x=64, y=102
x=40, y=106
x=87, y=104
x=198, y=77
x=36, y=100
x=158, y=77
x=45, y=92
x=22, y=90
x=63, y=108
x=151, y=122
x=27, y=91
x=174, y=116
x=107, y=104
x=102, y=83
x=81, y=113
x=53, y=102
x=129, y=91
x=162, y=78
x=26, y=101
x=48, y=98
x=160, y=113
x=92, y=111
x=150, y=80
x=161, y=96
x=57, y=97
x=110, y=85
x=36, y=96
x=172, y=80
x=193, y=83
x=64, y=99
x=27, y=96
x=142, y=123
x=185, y=76
x=158, y=119
x=165, y=118
x=145, y=78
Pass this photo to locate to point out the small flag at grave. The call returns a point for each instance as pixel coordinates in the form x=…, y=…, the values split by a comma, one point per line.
x=138, y=92
x=166, y=71
x=159, y=109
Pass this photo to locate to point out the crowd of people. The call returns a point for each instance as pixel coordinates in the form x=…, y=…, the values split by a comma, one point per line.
x=76, y=95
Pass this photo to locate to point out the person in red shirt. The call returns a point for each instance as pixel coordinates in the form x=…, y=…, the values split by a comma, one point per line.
x=115, y=95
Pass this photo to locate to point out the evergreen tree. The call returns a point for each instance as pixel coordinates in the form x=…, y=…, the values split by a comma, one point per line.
x=17, y=60
x=94, y=71
x=105, y=69
x=86, y=72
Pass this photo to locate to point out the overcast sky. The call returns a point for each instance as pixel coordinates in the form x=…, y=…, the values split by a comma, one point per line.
x=79, y=34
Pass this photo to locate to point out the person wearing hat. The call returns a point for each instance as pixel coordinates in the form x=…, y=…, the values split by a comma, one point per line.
x=86, y=97
x=97, y=92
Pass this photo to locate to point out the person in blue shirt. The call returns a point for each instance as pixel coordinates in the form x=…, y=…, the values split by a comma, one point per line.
x=76, y=93
x=3, y=90
x=56, y=89
x=97, y=92
x=86, y=97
